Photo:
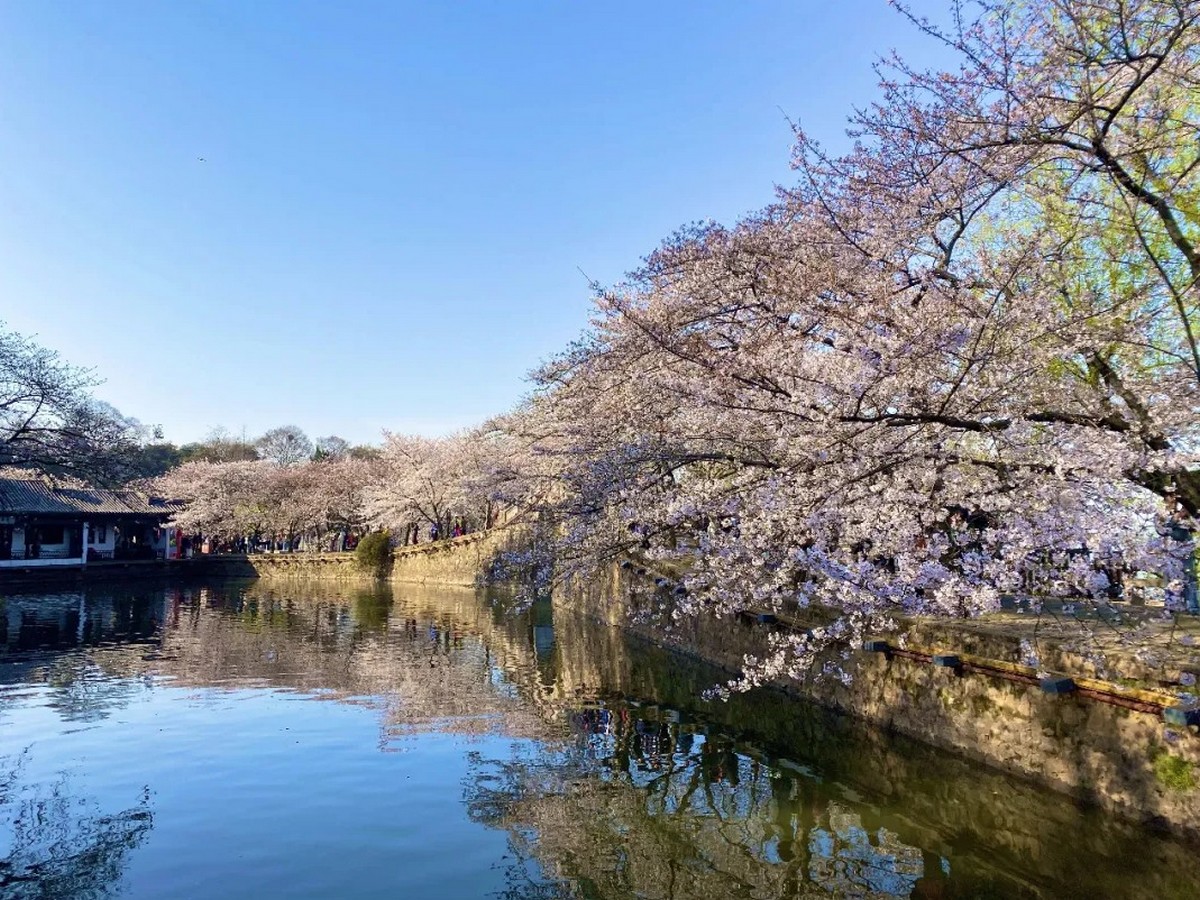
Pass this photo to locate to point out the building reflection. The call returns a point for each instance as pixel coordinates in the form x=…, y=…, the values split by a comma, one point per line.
x=78, y=618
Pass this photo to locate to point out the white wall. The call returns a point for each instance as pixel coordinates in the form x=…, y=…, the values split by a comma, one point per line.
x=106, y=546
x=18, y=550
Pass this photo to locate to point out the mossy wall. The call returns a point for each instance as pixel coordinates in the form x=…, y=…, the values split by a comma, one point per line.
x=1125, y=760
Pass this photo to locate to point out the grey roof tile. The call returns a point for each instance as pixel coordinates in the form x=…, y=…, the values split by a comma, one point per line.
x=28, y=496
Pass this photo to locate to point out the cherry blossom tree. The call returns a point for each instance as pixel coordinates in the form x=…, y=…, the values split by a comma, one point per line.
x=339, y=486
x=235, y=499
x=954, y=363
x=431, y=481
x=220, y=499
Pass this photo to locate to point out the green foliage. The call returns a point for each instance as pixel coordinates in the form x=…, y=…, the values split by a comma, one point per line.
x=1174, y=773
x=372, y=609
x=152, y=460
x=374, y=552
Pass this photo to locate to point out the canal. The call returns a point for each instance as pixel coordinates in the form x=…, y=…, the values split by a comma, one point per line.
x=312, y=739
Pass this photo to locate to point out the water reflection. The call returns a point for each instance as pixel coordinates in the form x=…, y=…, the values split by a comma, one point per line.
x=588, y=753
x=650, y=808
x=767, y=797
x=59, y=844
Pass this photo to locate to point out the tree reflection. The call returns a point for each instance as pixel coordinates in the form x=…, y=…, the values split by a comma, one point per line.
x=82, y=691
x=60, y=845
x=372, y=609
x=643, y=804
x=640, y=805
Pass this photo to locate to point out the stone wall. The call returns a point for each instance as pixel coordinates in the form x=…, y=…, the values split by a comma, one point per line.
x=1126, y=760
x=300, y=565
x=1027, y=839
x=463, y=561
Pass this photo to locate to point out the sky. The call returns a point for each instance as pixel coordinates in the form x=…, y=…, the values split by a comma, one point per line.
x=362, y=216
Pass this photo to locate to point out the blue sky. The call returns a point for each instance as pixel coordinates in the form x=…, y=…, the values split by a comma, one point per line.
x=395, y=201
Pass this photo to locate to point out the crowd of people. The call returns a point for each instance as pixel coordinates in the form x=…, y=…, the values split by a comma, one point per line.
x=332, y=542
x=412, y=531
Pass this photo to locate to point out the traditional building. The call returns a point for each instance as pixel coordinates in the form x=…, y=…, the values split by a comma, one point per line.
x=45, y=525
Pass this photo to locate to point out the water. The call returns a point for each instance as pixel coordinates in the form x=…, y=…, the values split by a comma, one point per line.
x=314, y=740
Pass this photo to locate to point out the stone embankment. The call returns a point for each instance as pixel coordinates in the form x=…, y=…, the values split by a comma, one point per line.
x=462, y=561
x=964, y=689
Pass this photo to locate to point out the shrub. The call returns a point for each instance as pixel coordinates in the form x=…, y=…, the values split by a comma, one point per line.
x=374, y=552
x=1174, y=773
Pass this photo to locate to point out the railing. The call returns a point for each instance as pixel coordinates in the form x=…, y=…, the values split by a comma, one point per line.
x=54, y=553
